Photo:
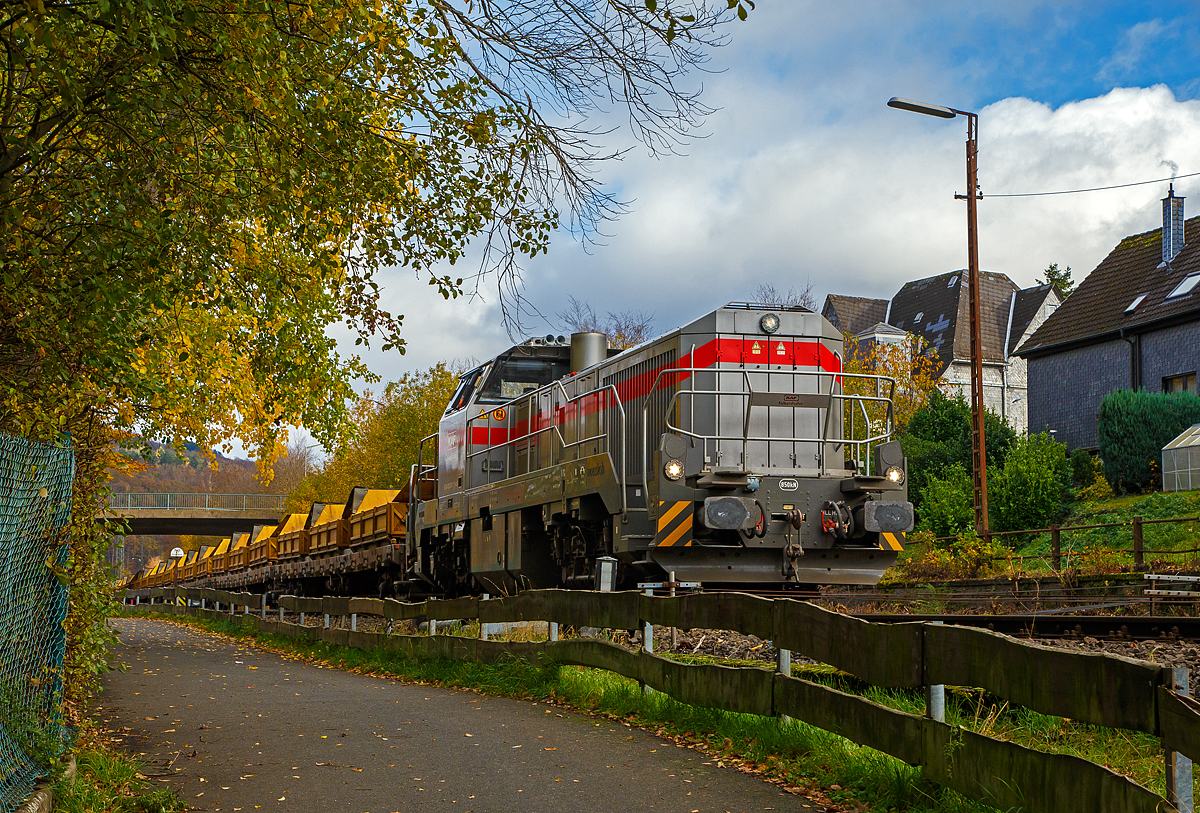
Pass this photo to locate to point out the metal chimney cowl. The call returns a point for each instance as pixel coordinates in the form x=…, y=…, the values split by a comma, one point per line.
x=1172, y=228
x=587, y=349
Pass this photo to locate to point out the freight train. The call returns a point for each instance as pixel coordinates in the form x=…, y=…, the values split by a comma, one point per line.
x=735, y=451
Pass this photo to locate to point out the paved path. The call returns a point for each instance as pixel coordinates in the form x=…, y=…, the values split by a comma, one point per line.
x=246, y=729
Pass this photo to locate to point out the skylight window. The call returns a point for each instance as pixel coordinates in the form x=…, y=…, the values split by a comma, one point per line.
x=918, y=317
x=1185, y=287
x=953, y=280
x=1137, y=300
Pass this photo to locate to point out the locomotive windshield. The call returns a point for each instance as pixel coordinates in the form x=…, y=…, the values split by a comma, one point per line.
x=513, y=377
x=466, y=385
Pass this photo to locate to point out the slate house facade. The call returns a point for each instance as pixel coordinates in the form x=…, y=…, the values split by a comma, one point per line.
x=1134, y=322
x=936, y=309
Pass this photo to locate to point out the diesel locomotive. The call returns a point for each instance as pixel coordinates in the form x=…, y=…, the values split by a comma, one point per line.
x=734, y=451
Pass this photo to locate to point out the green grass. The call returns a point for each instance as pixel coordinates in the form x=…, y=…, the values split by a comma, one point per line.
x=789, y=751
x=109, y=782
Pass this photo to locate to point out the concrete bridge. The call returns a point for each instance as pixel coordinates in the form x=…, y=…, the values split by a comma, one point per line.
x=201, y=514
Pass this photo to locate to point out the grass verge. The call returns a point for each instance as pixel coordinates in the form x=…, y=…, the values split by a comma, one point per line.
x=110, y=782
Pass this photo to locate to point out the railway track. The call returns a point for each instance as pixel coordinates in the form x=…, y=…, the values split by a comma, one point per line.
x=1038, y=625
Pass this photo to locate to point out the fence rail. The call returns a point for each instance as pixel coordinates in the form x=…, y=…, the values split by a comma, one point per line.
x=128, y=501
x=1099, y=689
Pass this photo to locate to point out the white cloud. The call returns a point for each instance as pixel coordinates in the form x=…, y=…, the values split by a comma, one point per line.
x=1131, y=49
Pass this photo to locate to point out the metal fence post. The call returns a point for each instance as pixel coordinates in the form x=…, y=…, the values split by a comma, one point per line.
x=354, y=622
x=281, y=611
x=553, y=630
x=326, y=620
x=302, y=619
x=1179, y=767
x=784, y=666
x=1138, y=557
x=648, y=640
x=483, y=628
x=264, y=607
x=935, y=697
x=1055, y=547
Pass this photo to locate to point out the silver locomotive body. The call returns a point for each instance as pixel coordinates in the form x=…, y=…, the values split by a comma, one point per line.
x=716, y=452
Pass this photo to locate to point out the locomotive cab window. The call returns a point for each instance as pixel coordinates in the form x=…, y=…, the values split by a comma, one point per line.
x=466, y=386
x=513, y=377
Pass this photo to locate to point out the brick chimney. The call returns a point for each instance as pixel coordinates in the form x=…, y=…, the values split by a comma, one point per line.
x=1172, y=228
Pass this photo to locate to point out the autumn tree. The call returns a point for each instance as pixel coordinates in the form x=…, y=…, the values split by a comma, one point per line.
x=627, y=328
x=911, y=364
x=389, y=432
x=191, y=193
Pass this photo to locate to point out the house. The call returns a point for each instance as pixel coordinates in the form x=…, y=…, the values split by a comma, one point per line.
x=937, y=310
x=1134, y=322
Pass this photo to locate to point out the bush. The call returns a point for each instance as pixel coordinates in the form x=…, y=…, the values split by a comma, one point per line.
x=947, y=503
x=1133, y=428
x=939, y=435
x=964, y=557
x=1083, y=469
x=1028, y=492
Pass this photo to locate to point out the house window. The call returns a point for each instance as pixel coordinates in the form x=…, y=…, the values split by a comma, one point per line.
x=1137, y=300
x=1180, y=383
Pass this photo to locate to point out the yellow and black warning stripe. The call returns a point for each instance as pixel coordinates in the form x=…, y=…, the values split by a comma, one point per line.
x=892, y=541
x=674, y=523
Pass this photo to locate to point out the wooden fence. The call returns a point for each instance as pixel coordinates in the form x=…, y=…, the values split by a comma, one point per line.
x=1104, y=690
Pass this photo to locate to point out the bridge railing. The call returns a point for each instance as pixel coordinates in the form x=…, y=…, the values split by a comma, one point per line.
x=130, y=501
x=1102, y=690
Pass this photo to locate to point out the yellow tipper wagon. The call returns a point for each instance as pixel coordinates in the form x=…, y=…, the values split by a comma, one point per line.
x=331, y=532
x=264, y=547
x=378, y=517
x=293, y=536
x=216, y=562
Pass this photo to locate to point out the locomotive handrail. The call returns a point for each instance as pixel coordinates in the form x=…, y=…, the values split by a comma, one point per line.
x=417, y=470
x=553, y=427
x=749, y=392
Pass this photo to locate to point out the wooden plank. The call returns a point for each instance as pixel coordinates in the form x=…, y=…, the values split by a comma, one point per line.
x=402, y=611
x=740, y=612
x=301, y=604
x=452, y=609
x=743, y=690
x=1105, y=690
x=1011, y=777
x=881, y=654
x=366, y=606
x=1179, y=723
x=596, y=654
x=855, y=718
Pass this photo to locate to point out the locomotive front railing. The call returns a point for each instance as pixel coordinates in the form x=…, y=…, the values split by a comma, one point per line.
x=417, y=473
x=816, y=400
x=553, y=427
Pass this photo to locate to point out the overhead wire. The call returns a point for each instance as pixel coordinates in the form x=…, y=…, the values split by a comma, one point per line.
x=1091, y=189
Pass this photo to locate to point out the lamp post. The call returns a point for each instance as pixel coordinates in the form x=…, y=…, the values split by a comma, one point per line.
x=978, y=443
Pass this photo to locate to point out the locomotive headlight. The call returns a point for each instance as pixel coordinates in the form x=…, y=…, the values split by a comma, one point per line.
x=896, y=475
x=673, y=470
x=769, y=323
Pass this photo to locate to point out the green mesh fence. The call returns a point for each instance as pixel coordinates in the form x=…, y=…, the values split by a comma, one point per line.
x=35, y=504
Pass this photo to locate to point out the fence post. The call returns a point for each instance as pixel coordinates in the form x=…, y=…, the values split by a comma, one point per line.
x=302, y=619
x=935, y=697
x=264, y=606
x=1055, y=547
x=647, y=641
x=281, y=611
x=1138, y=558
x=483, y=628
x=354, y=622
x=326, y=620
x=553, y=630
x=1179, y=767
x=784, y=667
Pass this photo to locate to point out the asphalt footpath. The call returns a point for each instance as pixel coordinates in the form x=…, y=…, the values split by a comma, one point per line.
x=236, y=728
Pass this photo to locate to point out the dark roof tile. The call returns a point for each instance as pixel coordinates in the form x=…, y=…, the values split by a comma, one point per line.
x=1097, y=307
x=853, y=314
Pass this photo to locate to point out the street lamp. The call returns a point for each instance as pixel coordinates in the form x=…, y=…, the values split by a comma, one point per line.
x=978, y=444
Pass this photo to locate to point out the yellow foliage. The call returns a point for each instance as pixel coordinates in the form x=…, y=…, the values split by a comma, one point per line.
x=911, y=365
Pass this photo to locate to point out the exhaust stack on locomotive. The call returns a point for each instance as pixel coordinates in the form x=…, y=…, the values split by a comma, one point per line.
x=717, y=451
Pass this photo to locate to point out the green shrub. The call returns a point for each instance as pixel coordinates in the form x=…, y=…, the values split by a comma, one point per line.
x=966, y=556
x=1083, y=469
x=939, y=435
x=947, y=503
x=1028, y=492
x=1133, y=428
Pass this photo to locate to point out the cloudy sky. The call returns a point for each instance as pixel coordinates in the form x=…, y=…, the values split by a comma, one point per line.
x=806, y=176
